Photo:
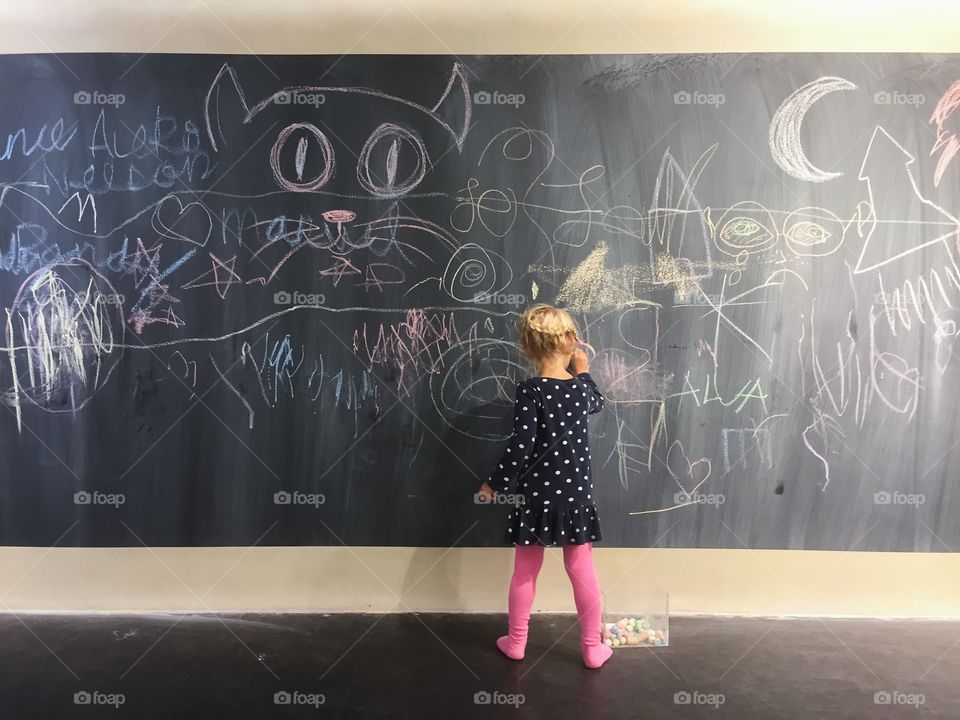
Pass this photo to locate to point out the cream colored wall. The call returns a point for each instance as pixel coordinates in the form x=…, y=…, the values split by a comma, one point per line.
x=491, y=26
x=332, y=579
x=474, y=580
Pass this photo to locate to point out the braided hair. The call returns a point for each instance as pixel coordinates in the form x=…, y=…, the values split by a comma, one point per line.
x=545, y=330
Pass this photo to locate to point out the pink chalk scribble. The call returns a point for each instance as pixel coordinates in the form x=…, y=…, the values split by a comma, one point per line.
x=947, y=142
x=413, y=345
x=627, y=379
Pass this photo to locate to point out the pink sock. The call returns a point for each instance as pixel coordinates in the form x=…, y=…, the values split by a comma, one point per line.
x=578, y=560
x=528, y=559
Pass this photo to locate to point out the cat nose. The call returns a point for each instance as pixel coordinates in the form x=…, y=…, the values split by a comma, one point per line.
x=339, y=216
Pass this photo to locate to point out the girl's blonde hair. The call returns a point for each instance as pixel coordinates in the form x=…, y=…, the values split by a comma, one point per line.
x=545, y=330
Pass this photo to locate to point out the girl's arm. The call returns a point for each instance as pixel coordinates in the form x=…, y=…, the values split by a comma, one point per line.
x=595, y=398
x=520, y=443
x=579, y=364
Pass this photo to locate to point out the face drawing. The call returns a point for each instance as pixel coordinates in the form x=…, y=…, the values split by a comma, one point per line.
x=349, y=169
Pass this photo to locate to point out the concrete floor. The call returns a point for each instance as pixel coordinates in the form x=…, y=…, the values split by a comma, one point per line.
x=412, y=666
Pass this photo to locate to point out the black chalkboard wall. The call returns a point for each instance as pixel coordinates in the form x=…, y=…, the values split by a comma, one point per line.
x=271, y=299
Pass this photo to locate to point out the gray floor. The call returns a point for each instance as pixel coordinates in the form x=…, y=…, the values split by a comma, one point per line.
x=399, y=666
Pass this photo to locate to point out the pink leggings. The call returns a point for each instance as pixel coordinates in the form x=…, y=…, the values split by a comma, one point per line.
x=578, y=561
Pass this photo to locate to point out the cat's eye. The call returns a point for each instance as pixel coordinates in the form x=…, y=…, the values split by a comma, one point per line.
x=313, y=159
x=392, y=162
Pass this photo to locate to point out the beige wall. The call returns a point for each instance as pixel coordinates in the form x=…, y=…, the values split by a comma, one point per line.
x=397, y=579
x=331, y=579
x=491, y=26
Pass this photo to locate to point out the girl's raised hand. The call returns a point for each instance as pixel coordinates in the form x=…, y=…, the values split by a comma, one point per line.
x=486, y=492
x=579, y=361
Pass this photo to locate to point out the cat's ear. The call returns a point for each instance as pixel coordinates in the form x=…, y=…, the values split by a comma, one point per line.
x=225, y=99
x=454, y=107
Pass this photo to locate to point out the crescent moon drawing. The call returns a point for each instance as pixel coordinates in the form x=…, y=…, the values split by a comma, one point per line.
x=785, y=146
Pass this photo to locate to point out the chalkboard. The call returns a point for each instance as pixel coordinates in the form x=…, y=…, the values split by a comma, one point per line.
x=271, y=300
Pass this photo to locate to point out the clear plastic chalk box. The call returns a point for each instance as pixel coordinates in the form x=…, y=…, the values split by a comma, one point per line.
x=636, y=620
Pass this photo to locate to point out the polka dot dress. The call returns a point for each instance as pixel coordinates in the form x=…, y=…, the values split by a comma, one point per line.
x=547, y=462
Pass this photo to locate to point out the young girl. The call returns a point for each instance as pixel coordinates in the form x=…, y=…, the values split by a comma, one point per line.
x=548, y=460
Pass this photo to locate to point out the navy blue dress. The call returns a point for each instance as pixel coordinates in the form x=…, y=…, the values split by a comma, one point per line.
x=547, y=461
